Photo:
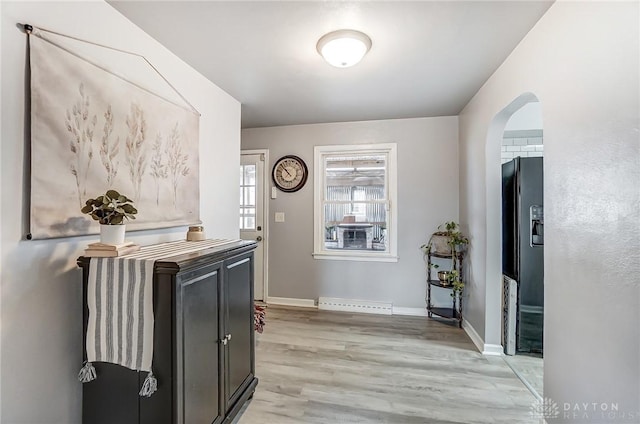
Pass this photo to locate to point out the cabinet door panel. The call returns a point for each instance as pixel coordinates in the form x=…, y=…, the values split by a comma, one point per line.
x=239, y=297
x=112, y=397
x=198, y=354
x=160, y=408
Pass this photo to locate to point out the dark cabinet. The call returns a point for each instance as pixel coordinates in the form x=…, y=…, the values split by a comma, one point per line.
x=203, y=357
x=239, y=352
x=198, y=353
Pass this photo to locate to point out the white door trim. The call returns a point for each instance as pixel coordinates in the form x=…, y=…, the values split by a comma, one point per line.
x=266, y=181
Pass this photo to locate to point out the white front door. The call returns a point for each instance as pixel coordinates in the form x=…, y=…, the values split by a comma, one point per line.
x=252, y=202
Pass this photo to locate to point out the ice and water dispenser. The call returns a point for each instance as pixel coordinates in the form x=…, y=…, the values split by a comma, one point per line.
x=536, y=229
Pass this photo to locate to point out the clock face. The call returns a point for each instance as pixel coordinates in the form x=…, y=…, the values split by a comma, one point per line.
x=290, y=173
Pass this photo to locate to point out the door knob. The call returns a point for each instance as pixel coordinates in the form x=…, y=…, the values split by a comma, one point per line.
x=259, y=238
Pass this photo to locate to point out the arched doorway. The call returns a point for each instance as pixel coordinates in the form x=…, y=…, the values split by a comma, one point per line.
x=515, y=237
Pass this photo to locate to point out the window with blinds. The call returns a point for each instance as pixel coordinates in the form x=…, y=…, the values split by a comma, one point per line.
x=354, y=192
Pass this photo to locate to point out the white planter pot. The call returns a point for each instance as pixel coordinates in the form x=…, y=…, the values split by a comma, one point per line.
x=112, y=234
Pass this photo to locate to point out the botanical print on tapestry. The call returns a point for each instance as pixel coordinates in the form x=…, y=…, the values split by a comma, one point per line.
x=92, y=131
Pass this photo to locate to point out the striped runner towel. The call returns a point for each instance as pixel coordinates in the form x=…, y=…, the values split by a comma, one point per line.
x=120, y=303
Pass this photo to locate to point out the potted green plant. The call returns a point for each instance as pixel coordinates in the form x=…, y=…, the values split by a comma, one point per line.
x=457, y=243
x=456, y=283
x=455, y=239
x=110, y=210
x=449, y=240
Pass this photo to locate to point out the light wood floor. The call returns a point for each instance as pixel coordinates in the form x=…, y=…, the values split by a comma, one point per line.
x=530, y=368
x=333, y=367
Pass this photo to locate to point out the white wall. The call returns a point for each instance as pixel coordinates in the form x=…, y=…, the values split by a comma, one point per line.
x=427, y=197
x=528, y=117
x=41, y=315
x=581, y=62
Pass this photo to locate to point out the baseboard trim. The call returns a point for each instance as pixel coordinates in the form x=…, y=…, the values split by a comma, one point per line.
x=291, y=301
x=484, y=348
x=493, y=350
x=473, y=335
x=414, y=312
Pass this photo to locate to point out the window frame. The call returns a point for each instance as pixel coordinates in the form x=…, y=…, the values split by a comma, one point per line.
x=319, y=250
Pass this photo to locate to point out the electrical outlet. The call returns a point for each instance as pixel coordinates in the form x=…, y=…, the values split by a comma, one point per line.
x=279, y=216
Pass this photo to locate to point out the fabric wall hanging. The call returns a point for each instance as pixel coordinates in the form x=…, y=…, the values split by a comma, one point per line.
x=94, y=129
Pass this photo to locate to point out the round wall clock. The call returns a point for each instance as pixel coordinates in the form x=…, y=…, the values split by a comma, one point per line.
x=290, y=173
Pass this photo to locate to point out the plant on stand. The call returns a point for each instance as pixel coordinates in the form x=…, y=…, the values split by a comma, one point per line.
x=447, y=243
x=110, y=210
x=448, y=238
x=456, y=282
x=457, y=243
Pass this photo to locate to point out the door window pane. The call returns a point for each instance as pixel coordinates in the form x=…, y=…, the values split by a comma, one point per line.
x=250, y=175
x=247, y=197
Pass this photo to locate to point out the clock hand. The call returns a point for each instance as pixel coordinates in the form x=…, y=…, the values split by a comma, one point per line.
x=288, y=173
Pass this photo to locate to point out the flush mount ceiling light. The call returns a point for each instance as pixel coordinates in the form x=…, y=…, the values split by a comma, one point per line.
x=343, y=48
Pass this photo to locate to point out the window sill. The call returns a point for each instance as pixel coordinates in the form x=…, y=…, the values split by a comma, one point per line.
x=356, y=256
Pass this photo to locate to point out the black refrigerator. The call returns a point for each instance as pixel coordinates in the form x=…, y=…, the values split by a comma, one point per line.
x=523, y=249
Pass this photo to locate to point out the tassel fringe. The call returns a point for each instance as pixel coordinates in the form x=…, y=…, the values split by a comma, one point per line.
x=149, y=386
x=87, y=373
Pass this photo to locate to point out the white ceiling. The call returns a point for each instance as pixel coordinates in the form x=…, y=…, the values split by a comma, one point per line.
x=428, y=57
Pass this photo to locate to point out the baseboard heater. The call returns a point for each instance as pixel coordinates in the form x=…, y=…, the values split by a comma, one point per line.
x=353, y=305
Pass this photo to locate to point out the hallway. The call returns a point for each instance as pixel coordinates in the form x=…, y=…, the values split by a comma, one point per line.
x=331, y=367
